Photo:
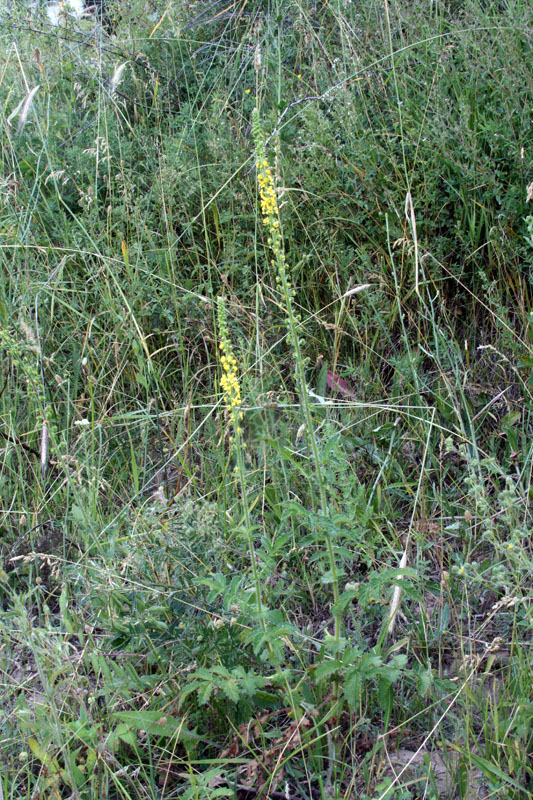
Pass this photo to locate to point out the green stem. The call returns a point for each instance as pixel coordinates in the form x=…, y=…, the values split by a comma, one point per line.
x=238, y=447
x=292, y=325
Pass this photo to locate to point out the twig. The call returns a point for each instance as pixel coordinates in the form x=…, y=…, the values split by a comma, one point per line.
x=44, y=435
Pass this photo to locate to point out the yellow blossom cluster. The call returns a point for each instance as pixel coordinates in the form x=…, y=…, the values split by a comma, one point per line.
x=269, y=208
x=269, y=204
x=267, y=188
x=270, y=211
x=230, y=376
x=230, y=381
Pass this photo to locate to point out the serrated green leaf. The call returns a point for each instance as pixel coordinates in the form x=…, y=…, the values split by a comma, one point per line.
x=231, y=690
x=156, y=723
x=204, y=693
x=352, y=688
x=326, y=669
x=124, y=733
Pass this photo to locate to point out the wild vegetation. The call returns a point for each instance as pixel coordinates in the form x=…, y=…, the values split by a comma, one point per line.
x=266, y=446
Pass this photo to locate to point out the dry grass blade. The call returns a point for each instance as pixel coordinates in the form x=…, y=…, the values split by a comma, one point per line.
x=397, y=595
x=410, y=217
x=356, y=289
x=117, y=76
x=44, y=449
x=23, y=109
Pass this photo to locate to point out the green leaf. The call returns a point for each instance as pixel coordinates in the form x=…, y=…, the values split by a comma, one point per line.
x=231, y=690
x=331, y=577
x=63, y=606
x=352, y=688
x=345, y=599
x=205, y=692
x=511, y=418
x=78, y=515
x=326, y=669
x=491, y=771
x=124, y=733
x=157, y=723
x=54, y=771
x=385, y=696
x=322, y=381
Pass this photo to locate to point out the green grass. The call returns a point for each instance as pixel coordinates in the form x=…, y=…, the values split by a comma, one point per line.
x=329, y=597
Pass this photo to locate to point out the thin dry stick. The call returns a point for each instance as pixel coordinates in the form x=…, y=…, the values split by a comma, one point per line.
x=410, y=217
x=45, y=431
x=397, y=594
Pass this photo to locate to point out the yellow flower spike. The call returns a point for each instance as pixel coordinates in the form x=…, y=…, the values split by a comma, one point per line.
x=270, y=211
x=229, y=381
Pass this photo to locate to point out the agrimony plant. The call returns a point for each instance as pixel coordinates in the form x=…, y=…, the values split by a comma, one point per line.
x=271, y=221
x=269, y=639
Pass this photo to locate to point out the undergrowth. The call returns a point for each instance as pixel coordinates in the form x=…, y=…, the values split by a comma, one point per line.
x=265, y=401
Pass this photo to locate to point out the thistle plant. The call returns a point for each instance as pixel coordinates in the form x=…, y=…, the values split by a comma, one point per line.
x=271, y=221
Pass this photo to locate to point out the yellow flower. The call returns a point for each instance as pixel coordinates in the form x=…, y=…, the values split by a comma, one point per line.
x=230, y=379
x=269, y=206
